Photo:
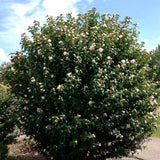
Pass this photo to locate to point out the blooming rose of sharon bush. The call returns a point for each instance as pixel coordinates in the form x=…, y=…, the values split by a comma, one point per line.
x=86, y=85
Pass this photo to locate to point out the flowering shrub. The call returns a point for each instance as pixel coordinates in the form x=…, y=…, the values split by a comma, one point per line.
x=86, y=86
x=6, y=122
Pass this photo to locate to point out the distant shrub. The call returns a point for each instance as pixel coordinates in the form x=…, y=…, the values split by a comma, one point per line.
x=86, y=86
x=6, y=122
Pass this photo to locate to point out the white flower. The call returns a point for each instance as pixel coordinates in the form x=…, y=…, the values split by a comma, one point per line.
x=151, y=113
x=100, y=49
x=109, y=58
x=137, y=151
x=65, y=53
x=151, y=52
x=104, y=25
x=69, y=74
x=118, y=66
x=137, y=89
x=33, y=79
x=109, y=143
x=60, y=42
x=123, y=61
x=154, y=67
x=132, y=138
x=78, y=116
x=105, y=114
x=84, y=47
x=82, y=35
x=50, y=59
x=151, y=98
x=133, y=61
x=93, y=136
x=49, y=40
x=12, y=69
x=91, y=48
x=128, y=126
x=25, y=108
x=132, y=76
x=4, y=66
x=42, y=97
x=120, y=36
x=152, y=103
x=60, y=87
x=99, y=144
x=144, y=67
x=93, y=61
x=90, y=102
x=155, y=102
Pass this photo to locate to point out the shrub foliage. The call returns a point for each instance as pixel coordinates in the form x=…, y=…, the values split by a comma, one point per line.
x=86, y=86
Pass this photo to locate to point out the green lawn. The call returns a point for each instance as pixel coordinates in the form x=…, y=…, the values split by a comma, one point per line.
x=156, y=132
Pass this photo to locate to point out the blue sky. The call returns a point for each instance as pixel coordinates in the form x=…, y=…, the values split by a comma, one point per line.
x=17, y=15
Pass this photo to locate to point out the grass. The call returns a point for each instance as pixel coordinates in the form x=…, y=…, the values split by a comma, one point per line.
x=156, y=132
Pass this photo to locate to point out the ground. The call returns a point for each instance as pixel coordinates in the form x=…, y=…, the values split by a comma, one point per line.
x=23, y=152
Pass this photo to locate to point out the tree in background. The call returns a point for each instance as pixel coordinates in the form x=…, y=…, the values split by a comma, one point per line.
x=155, y=62
x=2, y=69
x=87, y=89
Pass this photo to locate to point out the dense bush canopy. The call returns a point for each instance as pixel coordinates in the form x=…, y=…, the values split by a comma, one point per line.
x=86, y=86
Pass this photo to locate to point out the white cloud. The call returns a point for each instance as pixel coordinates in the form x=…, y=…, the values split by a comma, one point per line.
x=19, y=21
x=150, y=48
x=90, y=1
x=153, y=48
x=56, y=7
x=3, y=56
x=21, y=15
x=151, y=45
